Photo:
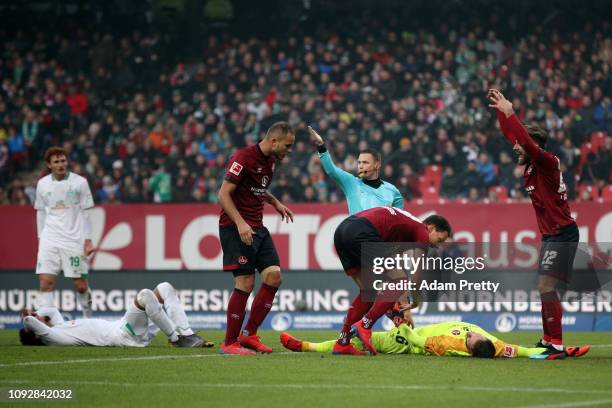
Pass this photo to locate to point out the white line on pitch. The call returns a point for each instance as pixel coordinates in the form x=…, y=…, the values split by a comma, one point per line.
x=112, y=360
x=316, y=386
x=571, y=404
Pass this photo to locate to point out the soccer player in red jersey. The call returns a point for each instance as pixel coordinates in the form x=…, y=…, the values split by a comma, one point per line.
x=545, y=186
x=379, y=224
x=246, y=243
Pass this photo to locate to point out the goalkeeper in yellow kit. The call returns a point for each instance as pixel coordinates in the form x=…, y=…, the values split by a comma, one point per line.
x=442, y=339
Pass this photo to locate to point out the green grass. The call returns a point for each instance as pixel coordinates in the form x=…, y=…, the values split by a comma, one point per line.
x=121, y=377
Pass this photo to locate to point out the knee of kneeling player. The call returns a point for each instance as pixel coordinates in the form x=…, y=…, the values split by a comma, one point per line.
x=147, y=300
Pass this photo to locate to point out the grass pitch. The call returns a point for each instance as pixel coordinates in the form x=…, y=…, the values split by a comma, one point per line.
x=163, y=376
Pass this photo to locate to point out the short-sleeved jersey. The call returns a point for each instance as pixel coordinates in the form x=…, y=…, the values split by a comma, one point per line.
x=252, y=172
x=359, y=195
x=63, y=201
x=396, y=225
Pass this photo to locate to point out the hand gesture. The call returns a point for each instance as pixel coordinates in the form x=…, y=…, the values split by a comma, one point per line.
x=498, y=101
x=315, y=137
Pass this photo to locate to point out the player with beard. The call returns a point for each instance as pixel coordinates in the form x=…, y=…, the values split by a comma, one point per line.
x=545, y=186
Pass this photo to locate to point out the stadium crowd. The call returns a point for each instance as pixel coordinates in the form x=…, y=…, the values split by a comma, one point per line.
x=143, y=125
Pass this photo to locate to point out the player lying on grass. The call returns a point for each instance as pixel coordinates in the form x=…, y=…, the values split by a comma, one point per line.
x=442, y=339
x=151, y=311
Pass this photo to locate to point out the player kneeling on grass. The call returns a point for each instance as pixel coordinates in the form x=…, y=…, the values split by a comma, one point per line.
x=442, y=339
x=161, y=306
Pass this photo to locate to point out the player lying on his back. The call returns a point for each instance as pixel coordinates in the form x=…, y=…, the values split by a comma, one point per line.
x=161, y=306
x=442, y=339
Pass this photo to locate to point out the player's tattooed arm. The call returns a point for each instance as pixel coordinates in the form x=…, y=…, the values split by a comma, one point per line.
x=286, y=213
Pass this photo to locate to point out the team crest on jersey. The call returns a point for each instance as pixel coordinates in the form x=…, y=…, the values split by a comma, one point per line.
x=508, y=351
x=264, y=181
x=242, y=260
x=236, y=168
x=71, y=196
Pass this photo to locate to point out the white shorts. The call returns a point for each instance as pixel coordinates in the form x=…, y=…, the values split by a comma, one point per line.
x=52, y=260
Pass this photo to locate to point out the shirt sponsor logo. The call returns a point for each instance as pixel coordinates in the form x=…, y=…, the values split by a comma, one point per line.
x=456, y=332
x=236, y=168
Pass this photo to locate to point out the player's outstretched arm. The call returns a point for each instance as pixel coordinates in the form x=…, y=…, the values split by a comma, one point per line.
x=286, y=213
x=511, y=126
x=503, y=108
x=225, y=200
x=343, y=178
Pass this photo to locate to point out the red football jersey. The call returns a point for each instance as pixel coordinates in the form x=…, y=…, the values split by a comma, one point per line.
x=543, y=179
x=252, y=171
x=395, y=225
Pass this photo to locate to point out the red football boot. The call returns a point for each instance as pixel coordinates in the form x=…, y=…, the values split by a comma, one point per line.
x=577, y=351
x=291, y=343
x=253, y=342
x=236, y=349
x=365, y=335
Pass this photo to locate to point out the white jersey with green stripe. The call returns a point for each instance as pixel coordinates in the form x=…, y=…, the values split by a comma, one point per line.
x=95, y=332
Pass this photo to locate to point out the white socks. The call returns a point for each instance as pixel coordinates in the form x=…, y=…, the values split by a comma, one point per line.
x=84, y=300
x=174, y=308
x=156, y=313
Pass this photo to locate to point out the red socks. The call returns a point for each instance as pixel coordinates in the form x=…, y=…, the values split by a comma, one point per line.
x=552, y=312
x=235, y=315
x=260, y=308
x=355, y=313
x=379, y=309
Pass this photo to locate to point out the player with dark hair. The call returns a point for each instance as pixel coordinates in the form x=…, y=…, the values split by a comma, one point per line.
x=380, y=224
x=63, y=202
x=545, y=186
x=459, y=339
x=366, y=190
x=246, y=243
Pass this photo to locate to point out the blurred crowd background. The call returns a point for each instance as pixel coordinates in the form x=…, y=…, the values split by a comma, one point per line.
x=151, y=98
